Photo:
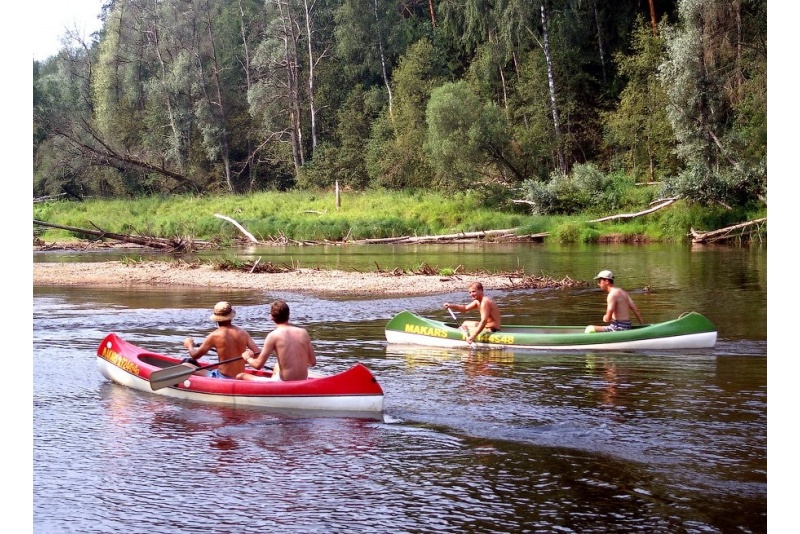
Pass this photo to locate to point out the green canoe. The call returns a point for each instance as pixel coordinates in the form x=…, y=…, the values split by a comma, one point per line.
x=689, y=331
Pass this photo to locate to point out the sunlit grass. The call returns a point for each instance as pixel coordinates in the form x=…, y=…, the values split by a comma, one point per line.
x=313, y=216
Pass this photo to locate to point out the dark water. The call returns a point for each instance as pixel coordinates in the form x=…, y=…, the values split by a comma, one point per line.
x=486, y=441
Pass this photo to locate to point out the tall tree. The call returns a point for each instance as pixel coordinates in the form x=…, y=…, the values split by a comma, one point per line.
x=701, y=77
x=639, y=125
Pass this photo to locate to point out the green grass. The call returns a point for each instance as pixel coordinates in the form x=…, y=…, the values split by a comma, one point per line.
x=313, y=216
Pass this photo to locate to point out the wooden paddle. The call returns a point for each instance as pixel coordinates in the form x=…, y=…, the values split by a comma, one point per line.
x=169, y=376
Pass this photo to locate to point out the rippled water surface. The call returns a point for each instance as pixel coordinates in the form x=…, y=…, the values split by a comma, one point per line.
x=484, y=441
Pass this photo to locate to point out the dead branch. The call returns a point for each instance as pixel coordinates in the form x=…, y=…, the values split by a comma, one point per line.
x=176, y=244
x=250, y=236
x=729, y=232
x=632, y=215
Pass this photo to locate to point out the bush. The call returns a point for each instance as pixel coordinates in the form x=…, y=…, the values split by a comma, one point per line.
x=566, y=194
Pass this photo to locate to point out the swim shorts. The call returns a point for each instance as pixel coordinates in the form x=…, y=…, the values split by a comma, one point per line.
x=215, y=373
x=493, y=330
x=618, y=326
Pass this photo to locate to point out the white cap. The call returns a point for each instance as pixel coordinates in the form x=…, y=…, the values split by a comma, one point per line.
x=608, y=275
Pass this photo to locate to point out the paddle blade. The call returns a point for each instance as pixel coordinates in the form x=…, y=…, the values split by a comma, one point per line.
x=164, y=378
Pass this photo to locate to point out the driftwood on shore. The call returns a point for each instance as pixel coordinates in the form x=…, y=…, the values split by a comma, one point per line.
x=508, y=234
x=737, y=231
x=172, y=245
x=186, y=244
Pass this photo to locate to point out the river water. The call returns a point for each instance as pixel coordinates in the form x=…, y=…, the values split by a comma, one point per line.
x=484, y=441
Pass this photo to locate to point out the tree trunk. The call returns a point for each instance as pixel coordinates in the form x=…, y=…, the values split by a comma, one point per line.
x=219, y=103
x=653, y=19
x=312, y=63
x=383, y=58
x=600, y=48
x=552, y=87
x=177, y=137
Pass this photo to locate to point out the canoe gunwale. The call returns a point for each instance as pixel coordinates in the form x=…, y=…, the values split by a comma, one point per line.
x=353, y=390
x=689, y=331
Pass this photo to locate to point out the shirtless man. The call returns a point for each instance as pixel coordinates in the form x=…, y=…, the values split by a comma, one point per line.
x=229, y=341
x=490, y=313
x=292, y=346
x=618, y=308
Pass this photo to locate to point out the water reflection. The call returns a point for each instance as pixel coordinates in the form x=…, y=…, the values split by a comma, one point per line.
x=482, y=441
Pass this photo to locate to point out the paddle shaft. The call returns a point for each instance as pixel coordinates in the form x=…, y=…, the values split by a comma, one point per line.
x=460, y=326
x=453, y=315
x=170, y=376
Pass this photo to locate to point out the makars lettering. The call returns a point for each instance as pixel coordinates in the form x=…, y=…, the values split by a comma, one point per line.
x=425, y=330
x=120, y=362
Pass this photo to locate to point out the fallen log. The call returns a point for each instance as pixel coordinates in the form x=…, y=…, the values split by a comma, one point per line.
x=729, y=232
x=508, y=233
x=175, y=244
x=250, y=236
x=664, y=204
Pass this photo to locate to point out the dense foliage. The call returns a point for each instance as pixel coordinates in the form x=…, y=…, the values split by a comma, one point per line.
x=543, y=100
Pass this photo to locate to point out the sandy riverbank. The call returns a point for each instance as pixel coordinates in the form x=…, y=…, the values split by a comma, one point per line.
x=301, y=280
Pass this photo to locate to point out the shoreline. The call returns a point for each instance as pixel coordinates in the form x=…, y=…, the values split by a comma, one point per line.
x=312, y=281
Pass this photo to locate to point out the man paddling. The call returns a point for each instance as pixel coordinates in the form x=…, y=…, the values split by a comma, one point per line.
x=227, y=340
x=619, y=306
x=490, y=313
x=292, y=347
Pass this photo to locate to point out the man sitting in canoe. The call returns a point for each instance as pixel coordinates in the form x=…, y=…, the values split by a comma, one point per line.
x=619, y=306
x=490, y=313
x=227, y=340
x=292, y=346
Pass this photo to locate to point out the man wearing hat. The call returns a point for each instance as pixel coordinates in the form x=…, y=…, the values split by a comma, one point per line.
x=227, y=340
x=619, y=306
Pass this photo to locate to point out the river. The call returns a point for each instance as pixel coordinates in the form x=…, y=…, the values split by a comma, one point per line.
x=484, y=441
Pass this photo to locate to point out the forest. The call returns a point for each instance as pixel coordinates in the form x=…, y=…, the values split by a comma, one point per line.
x=553, y=103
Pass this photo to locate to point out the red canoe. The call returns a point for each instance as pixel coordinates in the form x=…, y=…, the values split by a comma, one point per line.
x=353, y=390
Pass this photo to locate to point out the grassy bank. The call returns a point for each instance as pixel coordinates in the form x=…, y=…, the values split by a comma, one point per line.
x=314, y=216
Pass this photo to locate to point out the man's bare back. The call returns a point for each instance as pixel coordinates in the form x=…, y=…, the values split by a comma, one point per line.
x=619, y=305
x=227, y=340
x=291, y=344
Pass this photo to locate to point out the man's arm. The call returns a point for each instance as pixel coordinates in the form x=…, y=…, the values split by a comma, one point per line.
x=312, y=358
x=610, y=305
x=251, y=344
x=482, y=324
x=269, y=345
x=200, y=351
x=461, y=308
x=635, y=310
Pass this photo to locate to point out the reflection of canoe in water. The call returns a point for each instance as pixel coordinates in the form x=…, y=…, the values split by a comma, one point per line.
x=689, y=331
x=353, y=390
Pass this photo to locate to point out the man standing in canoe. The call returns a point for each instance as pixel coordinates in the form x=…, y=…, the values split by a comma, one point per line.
x=619, y=306
x=292, y=346
x=227, y=340
x=490, y=313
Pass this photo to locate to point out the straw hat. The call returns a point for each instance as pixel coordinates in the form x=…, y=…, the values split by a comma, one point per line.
x=223, y=312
